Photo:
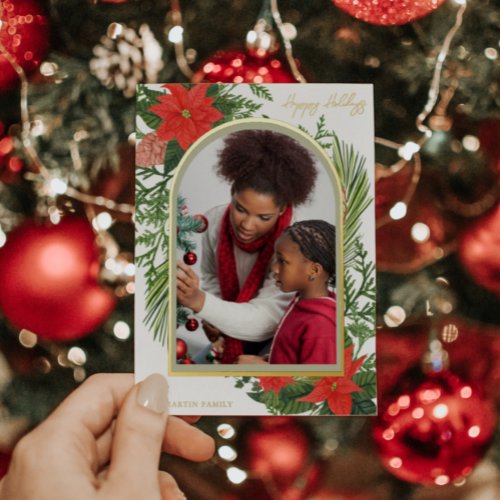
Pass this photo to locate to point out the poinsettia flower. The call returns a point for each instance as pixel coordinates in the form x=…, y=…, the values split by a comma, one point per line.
x=337, y=391
x=187, y=114
x=274, y=383
x=150, y=151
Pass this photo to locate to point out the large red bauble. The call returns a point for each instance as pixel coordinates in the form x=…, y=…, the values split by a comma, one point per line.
x=25, y=36
x=243, y=67
x=433, y=429
x=278, y=453
x=49, y=279
x=388, y=12
x=479, y=250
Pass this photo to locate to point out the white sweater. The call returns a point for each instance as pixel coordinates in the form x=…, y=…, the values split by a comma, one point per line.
x=255, y=320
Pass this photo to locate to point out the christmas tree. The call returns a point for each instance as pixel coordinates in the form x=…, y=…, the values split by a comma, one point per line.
x=68, y=76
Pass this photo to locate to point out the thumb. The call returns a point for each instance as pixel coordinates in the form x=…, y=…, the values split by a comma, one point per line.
x=137, y=442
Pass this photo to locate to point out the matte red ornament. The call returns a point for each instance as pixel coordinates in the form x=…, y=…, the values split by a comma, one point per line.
x=388, y=12
x=243, y=67
x=192, y=324
x=190, y=258
x=180, y=348
x=479, y=250
x=433, y=428
x=204, y=223
x=49, y=279
x=25, y=35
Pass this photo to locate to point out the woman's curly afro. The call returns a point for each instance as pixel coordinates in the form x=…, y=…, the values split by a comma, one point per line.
x=269, y=163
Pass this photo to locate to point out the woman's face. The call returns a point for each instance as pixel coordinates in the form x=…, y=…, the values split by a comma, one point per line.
x=252, y=214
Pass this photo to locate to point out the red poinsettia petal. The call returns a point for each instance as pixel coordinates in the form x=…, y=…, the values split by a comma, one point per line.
x=356, y=366
x=197, y=96
x=318, y=394
x=340, y=404
x=346, y=386
x=178, y=92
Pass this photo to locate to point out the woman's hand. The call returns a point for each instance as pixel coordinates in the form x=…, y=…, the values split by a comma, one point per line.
x=248, y=359
x=104, y=442
x=188, y=288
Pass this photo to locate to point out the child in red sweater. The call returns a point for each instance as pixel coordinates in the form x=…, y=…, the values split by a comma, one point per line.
x=305, y=263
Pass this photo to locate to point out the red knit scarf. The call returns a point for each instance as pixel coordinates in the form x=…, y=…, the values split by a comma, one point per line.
x=228, y=278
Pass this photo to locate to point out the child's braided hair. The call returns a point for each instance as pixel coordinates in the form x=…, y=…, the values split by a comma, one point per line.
x=316, y=240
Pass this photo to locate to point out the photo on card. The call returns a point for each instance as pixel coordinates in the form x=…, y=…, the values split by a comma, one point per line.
x=255, y=288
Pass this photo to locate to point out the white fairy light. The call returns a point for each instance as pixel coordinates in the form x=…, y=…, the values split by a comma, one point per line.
x=77, y=356
x=398, y=211
x=394, y=316
x=176, y=34
x=408, y=150
x=121, y=330
x=3, y=238
x=235, y=475
x=420, y=232
x=57, y=186
x=227, y=453
x=102, y=221
x=471, y=143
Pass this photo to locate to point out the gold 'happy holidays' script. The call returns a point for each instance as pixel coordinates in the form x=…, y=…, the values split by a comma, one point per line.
x=336, y=100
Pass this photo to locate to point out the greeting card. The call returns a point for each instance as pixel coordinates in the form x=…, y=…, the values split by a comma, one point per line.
x=255, y=247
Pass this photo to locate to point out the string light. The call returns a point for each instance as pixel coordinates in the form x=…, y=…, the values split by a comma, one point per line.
x=176, y=36
x=236, y=475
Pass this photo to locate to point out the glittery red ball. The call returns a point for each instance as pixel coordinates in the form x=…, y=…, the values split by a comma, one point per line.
x=204, y=223
x=388, y=12
x=49, y=279
x=243, y=67
x=25, y=36
x=433, y=429
x=190, y=258
x=479, y=250
x=180, y=348
x=192, y=324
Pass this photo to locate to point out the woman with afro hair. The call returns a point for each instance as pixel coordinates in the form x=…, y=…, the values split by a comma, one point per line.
x=269, y=174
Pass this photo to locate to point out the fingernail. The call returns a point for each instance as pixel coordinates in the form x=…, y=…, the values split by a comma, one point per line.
x=153, y=393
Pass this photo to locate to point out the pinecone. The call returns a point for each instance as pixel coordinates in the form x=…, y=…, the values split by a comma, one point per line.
x=130, y=58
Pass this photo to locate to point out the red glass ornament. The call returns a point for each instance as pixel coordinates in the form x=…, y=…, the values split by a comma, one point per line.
x=25, y=35
x=479, y=250
x=433, y=428
x=180, y=348
x=49, y=280
x=192, y=324
x=243, y=67
x=388, y=12
x=279, y=453
x=190, y=258
x=204, y=223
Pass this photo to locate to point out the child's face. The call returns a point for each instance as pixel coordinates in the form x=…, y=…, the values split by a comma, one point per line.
x=252, y=214
x=290, y=268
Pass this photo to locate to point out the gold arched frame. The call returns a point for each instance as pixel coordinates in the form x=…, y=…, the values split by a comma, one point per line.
x=270, y=370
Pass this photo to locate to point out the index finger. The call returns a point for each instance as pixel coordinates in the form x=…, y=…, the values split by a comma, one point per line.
x=187, y=269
